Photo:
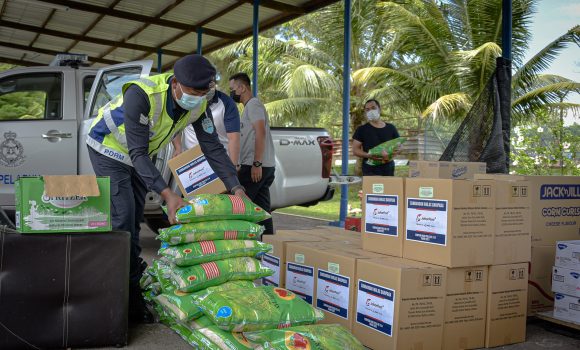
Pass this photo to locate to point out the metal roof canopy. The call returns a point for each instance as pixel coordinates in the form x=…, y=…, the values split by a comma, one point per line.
x=32, y=32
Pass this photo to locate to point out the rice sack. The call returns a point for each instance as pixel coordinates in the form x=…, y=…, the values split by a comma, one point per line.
x=193, y=278
x=211, y=207
x=313, y=337
x=389, y=147
x=210, y=231
x=239, y=310
x=205, y=251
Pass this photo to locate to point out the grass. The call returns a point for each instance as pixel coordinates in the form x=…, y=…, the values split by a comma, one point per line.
x=330, y=210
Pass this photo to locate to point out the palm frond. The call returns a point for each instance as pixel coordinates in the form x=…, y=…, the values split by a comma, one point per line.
x=448, y=106
x=542, y=60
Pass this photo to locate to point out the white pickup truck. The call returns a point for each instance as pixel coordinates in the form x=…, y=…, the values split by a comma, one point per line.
x=45, y=113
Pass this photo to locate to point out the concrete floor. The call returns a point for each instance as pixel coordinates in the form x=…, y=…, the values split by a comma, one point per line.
x=540, y=334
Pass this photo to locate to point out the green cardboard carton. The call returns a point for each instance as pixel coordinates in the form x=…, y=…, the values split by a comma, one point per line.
x=70, y=203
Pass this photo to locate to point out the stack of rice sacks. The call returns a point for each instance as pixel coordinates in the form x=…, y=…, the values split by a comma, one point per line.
x=202, y=286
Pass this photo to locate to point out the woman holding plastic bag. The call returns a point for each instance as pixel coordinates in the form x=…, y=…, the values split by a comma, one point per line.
x=376, y=142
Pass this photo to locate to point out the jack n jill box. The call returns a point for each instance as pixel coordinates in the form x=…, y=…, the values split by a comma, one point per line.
x=465, y=308
x=449, y=222
x=540, y=296
x=383, y=215
x=194, y=174
x=70, y=203
x=399, y=304
x=507, y=293
x=555, y=208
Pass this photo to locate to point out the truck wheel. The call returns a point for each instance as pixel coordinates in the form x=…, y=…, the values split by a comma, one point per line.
x=157, y=222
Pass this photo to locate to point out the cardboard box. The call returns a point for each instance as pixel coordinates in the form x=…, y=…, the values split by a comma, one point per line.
x=568, y=254
x=506, y=304
x=383, y=209
x=512, y=239
x=566, y=281
x=329, y=233
x=335, y=280
x=301, y=269
x=449, y=222
x=465, y=308
x=445, y=170
x=555, y=210
x=540, y=296
x=276, y=258
x=69, y=203
x=567, y=308
x=193, y=173
x=399, y=304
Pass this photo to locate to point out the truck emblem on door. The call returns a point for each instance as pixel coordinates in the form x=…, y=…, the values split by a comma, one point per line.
x=11, y=151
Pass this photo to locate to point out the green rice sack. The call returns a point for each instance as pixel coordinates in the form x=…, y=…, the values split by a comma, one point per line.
x=389, y=147
x=211, y=207
x=266, y=307
x=196, y=253
x=210, y=231
x=163, y=274
x=193, y=278
x=212, y=338
x=182, y=307
x=313, y=337
x=148, y=277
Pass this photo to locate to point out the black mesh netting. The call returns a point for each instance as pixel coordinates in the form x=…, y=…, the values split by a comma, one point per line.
x=484, y=134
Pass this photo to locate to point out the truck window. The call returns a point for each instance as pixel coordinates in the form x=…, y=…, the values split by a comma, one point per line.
x=87, y=84
x=29, y=96
x=111, y=86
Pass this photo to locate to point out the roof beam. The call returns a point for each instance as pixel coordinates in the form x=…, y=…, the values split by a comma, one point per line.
x=91, y=26
x=20, y=62
x=105, y=42
x=202, y=23
x=277, y=20
x=141, y=28
x=48, y=18
x=52, y=52
x=139, y=18
x=280, y=6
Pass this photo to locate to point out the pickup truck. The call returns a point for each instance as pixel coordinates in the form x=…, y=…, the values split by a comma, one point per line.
x=45, y=114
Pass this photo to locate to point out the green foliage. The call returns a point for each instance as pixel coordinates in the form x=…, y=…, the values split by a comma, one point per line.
x=546, y=147
x=22, y=105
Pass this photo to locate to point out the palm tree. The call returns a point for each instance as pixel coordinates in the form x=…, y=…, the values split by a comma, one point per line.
x=455, y=43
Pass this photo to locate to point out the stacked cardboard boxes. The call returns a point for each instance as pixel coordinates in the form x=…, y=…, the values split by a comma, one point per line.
x=566, y=281
x=554, y=216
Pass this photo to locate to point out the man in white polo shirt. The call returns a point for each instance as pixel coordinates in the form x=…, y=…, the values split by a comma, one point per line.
x=226, y=119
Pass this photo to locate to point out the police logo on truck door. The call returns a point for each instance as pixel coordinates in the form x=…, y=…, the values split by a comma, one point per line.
x=11, y=151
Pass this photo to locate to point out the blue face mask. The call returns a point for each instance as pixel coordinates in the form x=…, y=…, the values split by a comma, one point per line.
x=189, y=102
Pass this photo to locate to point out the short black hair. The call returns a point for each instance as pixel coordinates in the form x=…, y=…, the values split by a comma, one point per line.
x=375, y=101
x=242, y=77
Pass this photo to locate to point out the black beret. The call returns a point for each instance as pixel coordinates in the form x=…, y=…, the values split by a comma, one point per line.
x=194, y=71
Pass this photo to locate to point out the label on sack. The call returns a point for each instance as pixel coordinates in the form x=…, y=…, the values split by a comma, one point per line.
x=382, y=214
x=427, y=221
x=375, y=307
x=300, y=280
x=273, y=263
x=332, y=293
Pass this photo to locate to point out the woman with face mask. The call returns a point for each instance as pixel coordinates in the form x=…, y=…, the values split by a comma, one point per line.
x=373, y=134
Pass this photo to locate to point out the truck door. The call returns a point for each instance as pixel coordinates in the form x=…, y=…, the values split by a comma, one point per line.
x=106, y=86
x=38, y=131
